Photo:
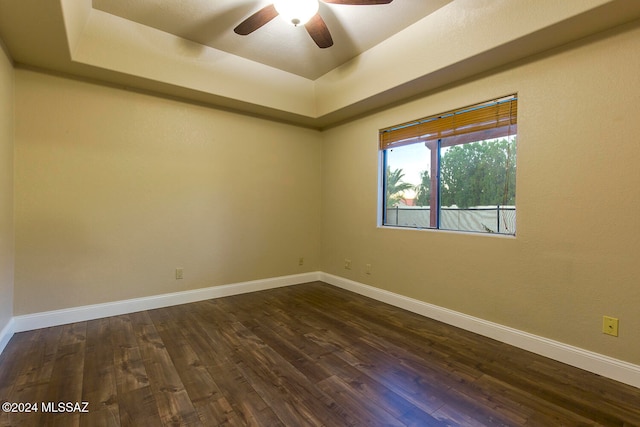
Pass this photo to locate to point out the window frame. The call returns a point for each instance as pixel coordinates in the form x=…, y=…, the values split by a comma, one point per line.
x=442, y=136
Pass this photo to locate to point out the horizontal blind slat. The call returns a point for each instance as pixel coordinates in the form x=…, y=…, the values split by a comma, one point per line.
x=493, y=114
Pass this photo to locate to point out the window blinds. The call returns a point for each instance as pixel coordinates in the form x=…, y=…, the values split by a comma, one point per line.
x=486, y=116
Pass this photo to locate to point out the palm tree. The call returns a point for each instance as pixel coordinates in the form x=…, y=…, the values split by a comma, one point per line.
x=395, y=187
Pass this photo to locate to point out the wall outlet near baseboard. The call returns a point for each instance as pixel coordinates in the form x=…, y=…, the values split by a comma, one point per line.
x=610, y=325
x=347, y=264
x=179, y=273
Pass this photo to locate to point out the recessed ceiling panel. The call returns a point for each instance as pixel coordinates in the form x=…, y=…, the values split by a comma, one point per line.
x=277, y=44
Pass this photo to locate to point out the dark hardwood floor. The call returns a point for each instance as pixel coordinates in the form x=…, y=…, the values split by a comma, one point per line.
x=303, y=355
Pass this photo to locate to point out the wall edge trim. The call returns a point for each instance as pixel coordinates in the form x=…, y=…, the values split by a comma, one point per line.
x=600, y=364
x=6, y=333
x=596, y=363
x=47, y=319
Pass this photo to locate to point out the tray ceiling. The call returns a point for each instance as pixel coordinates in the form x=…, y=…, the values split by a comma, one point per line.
x=278, y=44
x=383, y=54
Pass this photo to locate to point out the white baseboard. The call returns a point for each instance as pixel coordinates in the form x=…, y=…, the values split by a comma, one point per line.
x=46, y=319
x=6, y=333
x=609, y=367
x=593, y=362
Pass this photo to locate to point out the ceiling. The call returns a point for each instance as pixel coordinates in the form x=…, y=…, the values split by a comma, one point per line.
x=278, y=44
x=382, y=54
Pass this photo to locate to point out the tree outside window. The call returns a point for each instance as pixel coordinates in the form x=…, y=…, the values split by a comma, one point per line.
x=459, y=178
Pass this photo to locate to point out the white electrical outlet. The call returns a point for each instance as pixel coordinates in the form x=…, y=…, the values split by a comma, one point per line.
x=179, y=273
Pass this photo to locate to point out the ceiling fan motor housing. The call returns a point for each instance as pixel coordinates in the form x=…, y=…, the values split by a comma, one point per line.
x=296, y=12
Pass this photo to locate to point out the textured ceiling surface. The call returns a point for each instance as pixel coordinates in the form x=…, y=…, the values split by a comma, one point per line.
x=382, y=54
x=277, y=44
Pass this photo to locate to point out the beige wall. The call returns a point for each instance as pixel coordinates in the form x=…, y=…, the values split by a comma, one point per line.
x=115, y=189
x=6, y=189
x=575, y=257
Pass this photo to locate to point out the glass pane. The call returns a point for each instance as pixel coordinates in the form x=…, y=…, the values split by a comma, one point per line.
x=478, y=186
x=407, y=186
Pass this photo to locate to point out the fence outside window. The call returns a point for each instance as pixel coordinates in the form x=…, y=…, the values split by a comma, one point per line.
x=486, y=219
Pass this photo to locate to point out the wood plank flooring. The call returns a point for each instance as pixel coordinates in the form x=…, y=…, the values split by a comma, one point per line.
x=306, y=355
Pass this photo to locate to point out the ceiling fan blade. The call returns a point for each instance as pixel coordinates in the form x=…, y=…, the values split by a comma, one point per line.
x=319, y=32
x=256, y=20
x=358, y=2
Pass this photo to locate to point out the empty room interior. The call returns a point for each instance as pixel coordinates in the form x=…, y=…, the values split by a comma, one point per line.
x=201, y=213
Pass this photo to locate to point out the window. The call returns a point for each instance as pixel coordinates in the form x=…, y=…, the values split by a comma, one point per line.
x=453, y=171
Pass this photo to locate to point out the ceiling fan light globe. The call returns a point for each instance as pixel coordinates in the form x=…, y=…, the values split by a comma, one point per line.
x=296, y=12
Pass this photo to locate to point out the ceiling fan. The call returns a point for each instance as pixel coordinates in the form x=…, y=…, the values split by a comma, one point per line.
x=299, y=12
